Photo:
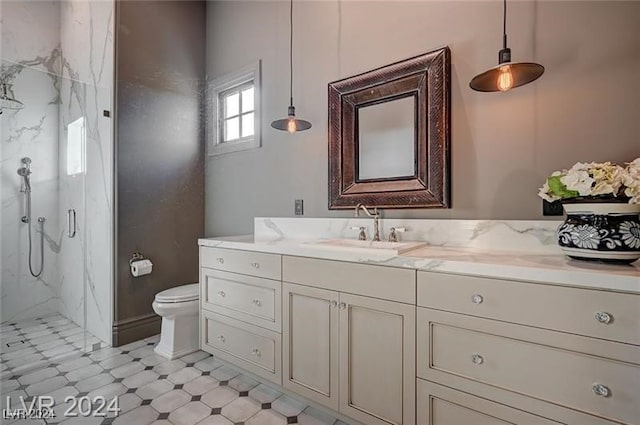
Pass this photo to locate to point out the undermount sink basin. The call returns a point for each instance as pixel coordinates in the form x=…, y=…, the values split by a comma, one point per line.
x=354, y=245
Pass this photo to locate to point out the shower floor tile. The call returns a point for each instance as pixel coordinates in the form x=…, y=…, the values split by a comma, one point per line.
x=196, y=389
x=36, y=343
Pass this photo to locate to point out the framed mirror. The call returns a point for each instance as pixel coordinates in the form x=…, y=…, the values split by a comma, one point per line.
x=389, y=135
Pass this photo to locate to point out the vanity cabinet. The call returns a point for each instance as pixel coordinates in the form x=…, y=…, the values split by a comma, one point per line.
x=525, y=360
x=241, y=314
x=387, y=345
x=354, y=353
x=351, y=353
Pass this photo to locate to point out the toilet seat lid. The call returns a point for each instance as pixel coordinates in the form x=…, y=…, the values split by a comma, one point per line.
x=178, y=294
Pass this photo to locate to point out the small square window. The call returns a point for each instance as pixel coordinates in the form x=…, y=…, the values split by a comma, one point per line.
x=235, y=114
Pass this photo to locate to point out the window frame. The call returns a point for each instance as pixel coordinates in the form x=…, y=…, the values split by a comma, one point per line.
x=217, y=88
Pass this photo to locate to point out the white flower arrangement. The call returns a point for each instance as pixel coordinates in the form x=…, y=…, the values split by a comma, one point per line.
x=594, y=179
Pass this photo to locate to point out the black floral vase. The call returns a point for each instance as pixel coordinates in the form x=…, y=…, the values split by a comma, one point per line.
x=601, y=231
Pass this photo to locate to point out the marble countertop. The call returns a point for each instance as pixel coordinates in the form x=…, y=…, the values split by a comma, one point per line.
x=543, y=268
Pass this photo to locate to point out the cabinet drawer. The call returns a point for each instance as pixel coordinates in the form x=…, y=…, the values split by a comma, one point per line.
x=439, y=405
x=389, y=283
x=500, y=355
x=566, y=309
x=253, y=348
x=246, y=262
x=250, y=299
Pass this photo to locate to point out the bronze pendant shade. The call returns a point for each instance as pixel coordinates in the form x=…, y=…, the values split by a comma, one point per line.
x=507, y=74
x=291, y=123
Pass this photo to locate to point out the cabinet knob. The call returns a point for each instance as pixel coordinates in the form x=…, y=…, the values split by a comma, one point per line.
x=255, y=265
x=221, y=338
x=477, y=299
x=334, y=303
x=477, y=359
x=220, y=260
x=222, y=294
x=603, y=317
x=601, y=390
x=256, y=302
x=255, y=352
x=342, y=306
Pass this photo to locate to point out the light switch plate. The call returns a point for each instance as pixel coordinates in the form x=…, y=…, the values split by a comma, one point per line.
x=299, y=207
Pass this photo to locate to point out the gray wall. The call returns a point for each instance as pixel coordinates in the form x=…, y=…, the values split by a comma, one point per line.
x=585, y=107
x=159, y=137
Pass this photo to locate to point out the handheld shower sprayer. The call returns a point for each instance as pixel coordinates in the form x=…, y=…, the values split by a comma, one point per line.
x=24, y=171
x=26, y=184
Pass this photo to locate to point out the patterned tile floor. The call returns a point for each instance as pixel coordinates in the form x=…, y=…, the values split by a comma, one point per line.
x=195, y=389
x=36, y=342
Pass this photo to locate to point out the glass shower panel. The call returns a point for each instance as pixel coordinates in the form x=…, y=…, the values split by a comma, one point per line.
x=44, y=169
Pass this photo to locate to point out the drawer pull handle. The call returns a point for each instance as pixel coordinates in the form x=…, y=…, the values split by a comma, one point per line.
x=255, y=352
x=220, y=260
x=221, y=338
x=334, y=303
x=256, y=265
x=477, y=359
x=342, y=306
x=601, y=390
x=222, y=294
x=257, y=303
x=477, y=299
x=603, y=317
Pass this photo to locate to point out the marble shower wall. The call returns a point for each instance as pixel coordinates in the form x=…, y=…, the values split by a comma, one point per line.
x=31, y=68
x=32, y=132
x=78, y=64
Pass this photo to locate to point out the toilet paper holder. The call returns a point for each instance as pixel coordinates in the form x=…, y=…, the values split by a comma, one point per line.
x=140, y=266
x=136, y=256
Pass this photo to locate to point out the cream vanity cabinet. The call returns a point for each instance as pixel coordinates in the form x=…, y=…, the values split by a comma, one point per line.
x=567, y=355
x=240, y=298
x=352, y=353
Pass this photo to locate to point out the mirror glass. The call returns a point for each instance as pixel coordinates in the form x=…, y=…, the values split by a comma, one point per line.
x=386, y=139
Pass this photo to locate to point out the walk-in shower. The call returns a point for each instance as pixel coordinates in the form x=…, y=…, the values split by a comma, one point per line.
x=56, y=131
x=55, y=279
x=25, y=171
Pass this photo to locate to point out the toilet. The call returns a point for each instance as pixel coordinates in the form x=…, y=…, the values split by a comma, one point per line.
x=178, y=308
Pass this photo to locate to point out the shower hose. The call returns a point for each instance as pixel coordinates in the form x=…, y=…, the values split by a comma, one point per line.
x=41, y=222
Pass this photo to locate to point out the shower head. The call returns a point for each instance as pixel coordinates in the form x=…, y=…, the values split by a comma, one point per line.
x=6, y=101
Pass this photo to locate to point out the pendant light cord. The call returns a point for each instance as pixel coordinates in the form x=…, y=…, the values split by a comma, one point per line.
x=291, y=53
x=504, y=25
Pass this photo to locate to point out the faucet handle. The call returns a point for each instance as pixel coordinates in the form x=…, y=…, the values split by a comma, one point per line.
x=393, y=236
x=362, y=235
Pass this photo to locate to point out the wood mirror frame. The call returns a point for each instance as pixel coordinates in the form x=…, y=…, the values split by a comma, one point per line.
x=426, y=77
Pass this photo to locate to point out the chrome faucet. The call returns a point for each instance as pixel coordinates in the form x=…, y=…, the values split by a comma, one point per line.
x=376, y=219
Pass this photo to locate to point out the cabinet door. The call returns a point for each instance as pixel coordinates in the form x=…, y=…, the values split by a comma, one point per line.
x=310, y=343
x=377, y=360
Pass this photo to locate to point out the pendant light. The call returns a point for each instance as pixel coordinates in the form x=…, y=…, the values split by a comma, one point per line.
x=291, y=123
x=507, y=74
